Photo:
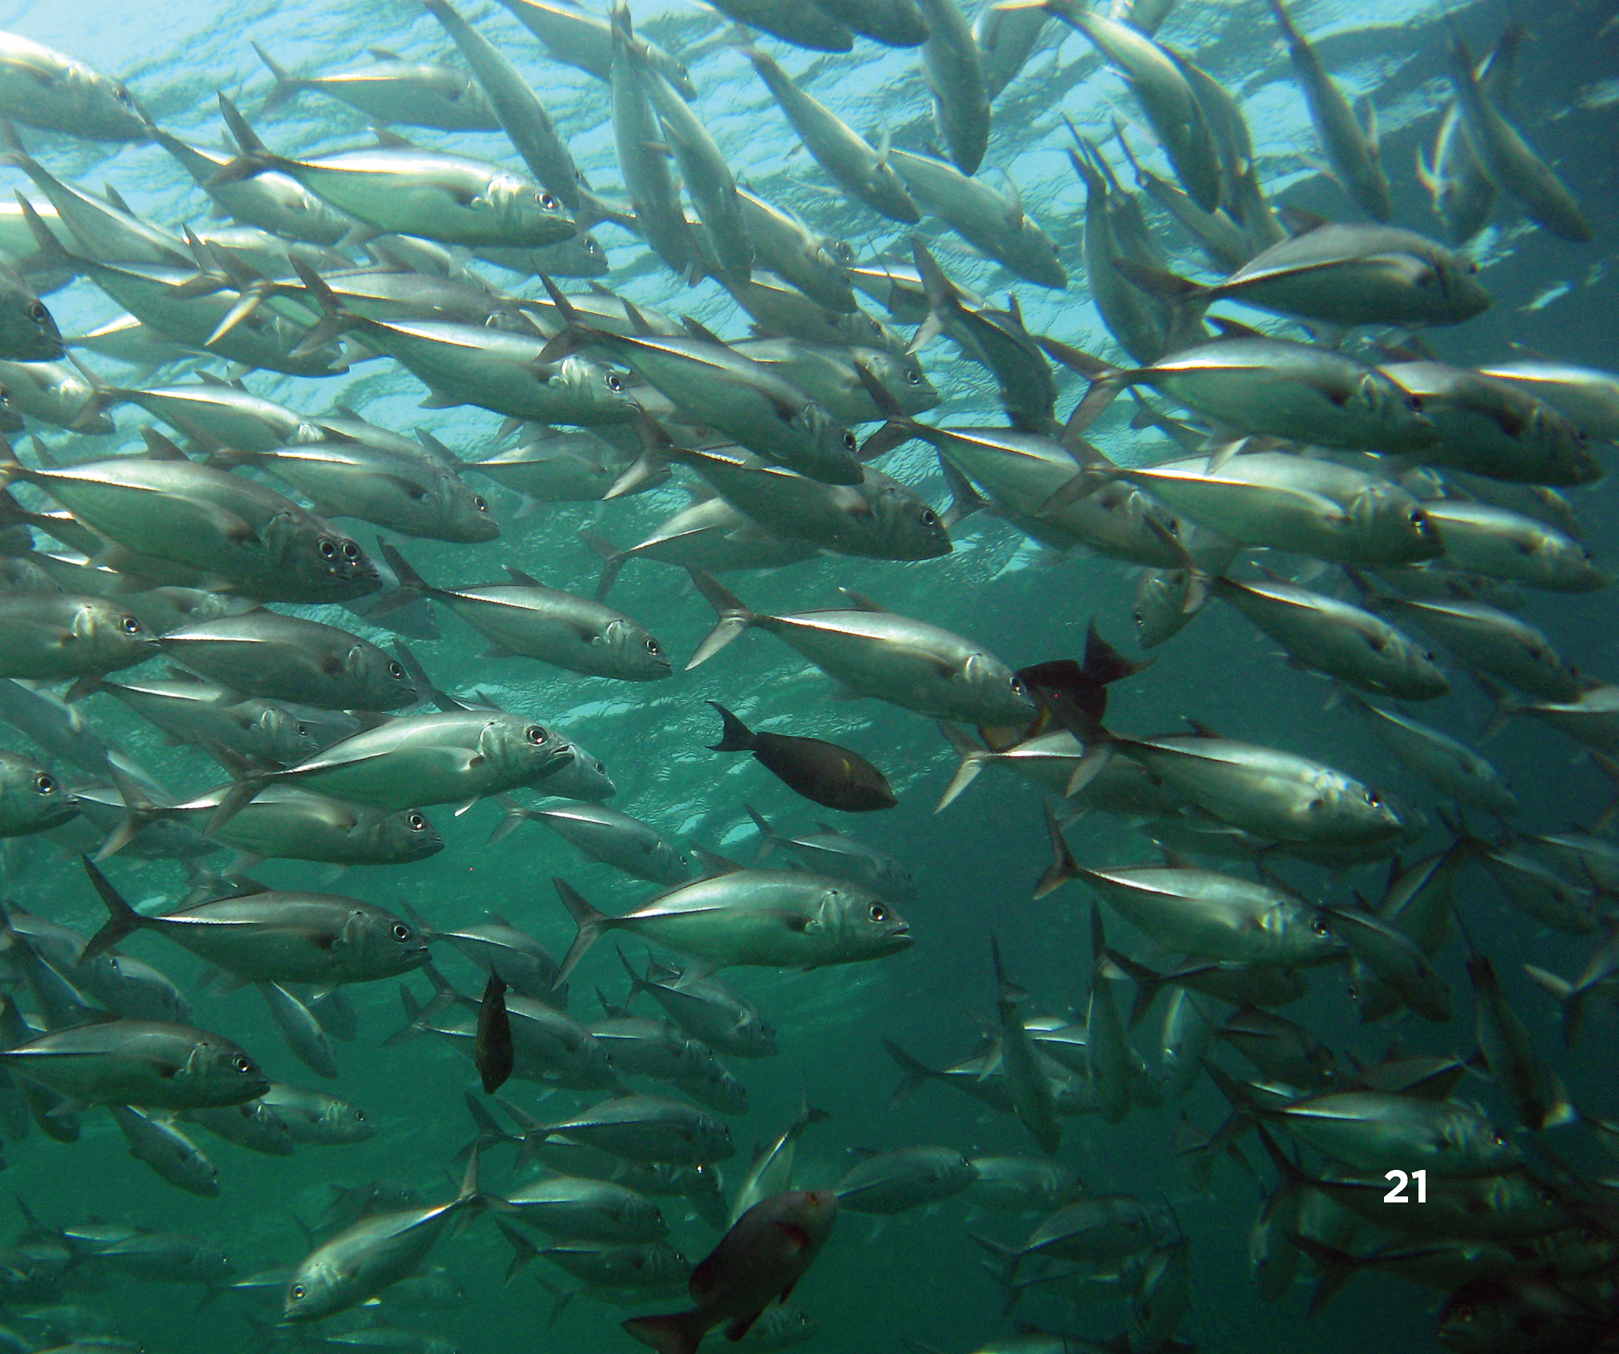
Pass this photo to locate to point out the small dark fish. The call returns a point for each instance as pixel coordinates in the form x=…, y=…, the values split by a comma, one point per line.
x=812, y=767
x=492, y=1050
x=1073, y=695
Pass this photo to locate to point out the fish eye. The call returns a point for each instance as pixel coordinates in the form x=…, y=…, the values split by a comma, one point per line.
x=614, y=383
x=591, y=247
x=350, y=550
x=37, y=312
x=913, y=376
x=45, y=784
x=416, y=821
x=359, y=1115
x=242, y=1063
x=653, y=647
x=299, y=1292
x=1413, y=403
x=1372, y=797
x=848, y=440
x=877, y=912
x=1017, y=685
x=534, y=733
x=395, y=669
x=401, y=932
x=480, y=503
x=301, y=729
x=1499, y=1139
x=129, y=625
x=327, y=548
x=547, y=201
x=1320, y=927
x=929, y=517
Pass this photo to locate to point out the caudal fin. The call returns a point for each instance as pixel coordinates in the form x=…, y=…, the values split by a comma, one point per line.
x=285, y=85
x=678, y=1333
x=735, y=736
x=125, y=920
x=734, y=617
x=587, y=919
x=1063, y=866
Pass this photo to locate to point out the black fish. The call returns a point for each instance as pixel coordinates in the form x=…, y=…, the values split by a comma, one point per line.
x=816, y=769
x=492, y=1050
x=1072, y=694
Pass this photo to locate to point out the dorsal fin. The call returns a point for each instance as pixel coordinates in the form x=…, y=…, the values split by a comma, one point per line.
x=860, y=602
x=160, y=448
x=698, y=330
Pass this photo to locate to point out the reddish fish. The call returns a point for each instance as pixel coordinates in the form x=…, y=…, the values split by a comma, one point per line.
x=758, y=1261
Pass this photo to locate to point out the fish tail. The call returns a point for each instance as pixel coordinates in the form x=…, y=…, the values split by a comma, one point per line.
x=234, y=801
x=1095, y=187
x=965, y=499
x=286, y=85
x=490, y=1133
x=409, y=580
x=469, y=1190
x=124, y=919
x=51, y=250
x=574, y=333
x=678, y=1333
x=1337, y=1268
x=973, y=760
x=139, y=809
x=735, y=737
x=916, y=1072
x=1063, y=867
x=1148, y=984
x=587, y=919
x=516, y=816
x=523, y=1247
x=612, y=561
x=734, y=617
x=253, y=154
x=767, y=834
x=638, y=983
x=335, y=320
x=1161, y=283
x=1106, y=383
x=944, y=301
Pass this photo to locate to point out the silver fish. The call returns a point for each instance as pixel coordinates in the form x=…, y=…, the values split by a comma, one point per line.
x=777, y=918
x=140, y=1062
x=46, y=88
x=883, y=654
x=392, y=90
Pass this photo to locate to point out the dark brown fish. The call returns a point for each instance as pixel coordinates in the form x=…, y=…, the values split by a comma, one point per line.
x=1073, y=694
x=758, y=1261
x=816, y=769
x=492, y=1050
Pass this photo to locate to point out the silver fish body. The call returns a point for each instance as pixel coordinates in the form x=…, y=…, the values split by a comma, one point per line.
x=140, y=1062
x=45, y=88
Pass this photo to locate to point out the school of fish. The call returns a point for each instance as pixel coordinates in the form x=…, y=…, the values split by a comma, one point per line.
x=289, y=677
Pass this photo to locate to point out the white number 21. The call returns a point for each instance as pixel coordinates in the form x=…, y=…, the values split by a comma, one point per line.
x=1399, y=1179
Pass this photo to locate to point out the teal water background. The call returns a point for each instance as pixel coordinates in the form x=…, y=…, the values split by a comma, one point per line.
x=917, y=1277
